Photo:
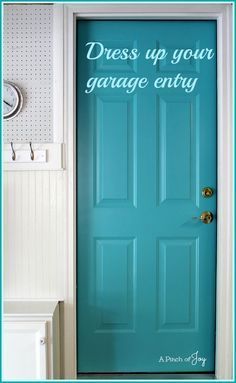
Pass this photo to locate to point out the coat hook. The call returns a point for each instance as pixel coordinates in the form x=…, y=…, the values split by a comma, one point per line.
x=13, y=156
x=31, y=152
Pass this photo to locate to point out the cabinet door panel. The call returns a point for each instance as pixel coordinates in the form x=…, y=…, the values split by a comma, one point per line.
x=24, y=350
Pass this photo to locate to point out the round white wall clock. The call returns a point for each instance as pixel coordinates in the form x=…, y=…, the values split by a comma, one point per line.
x=12, y=100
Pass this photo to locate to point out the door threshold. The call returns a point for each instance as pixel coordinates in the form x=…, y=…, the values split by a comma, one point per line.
x=147, y=376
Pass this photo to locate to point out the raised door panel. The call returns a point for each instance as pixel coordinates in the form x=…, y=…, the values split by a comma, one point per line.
x=115, y=284
x=178, y=148
x=177, y=288
x=115, y=151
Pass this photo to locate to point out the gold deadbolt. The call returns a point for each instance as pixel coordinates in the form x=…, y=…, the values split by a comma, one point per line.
x=207, y=192
x=206, y=217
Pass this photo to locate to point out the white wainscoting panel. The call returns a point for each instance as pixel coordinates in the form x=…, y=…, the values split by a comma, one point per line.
x=35, y=234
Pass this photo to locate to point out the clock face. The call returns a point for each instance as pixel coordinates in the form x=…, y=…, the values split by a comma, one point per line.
x=12, y=100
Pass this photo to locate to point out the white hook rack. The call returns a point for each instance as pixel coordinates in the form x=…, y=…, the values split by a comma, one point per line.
x=33, y=156
x=22, y=155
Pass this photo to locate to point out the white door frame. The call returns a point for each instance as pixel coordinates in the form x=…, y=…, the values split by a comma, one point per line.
x=222, y=12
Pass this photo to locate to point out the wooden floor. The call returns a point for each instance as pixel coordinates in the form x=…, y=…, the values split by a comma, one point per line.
x=146, y=377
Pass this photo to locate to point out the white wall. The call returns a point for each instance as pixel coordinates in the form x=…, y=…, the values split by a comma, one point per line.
x=34, y=234
x=35, y=203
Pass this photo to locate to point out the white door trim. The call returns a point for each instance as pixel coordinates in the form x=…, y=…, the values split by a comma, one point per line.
x=222, y=12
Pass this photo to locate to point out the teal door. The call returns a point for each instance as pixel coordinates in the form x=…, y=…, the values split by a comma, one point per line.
x=146, y=264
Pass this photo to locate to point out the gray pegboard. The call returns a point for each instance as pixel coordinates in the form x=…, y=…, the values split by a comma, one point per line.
x=28, y=62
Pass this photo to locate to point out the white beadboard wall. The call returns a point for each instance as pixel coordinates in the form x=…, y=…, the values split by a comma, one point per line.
x=34, y=234
x=34, y=201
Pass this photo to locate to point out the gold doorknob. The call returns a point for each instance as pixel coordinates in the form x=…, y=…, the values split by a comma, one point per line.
x=207, y=192
x=206, y=217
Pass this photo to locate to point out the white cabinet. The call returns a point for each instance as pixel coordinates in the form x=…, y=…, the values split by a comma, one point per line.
x=31, y=340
